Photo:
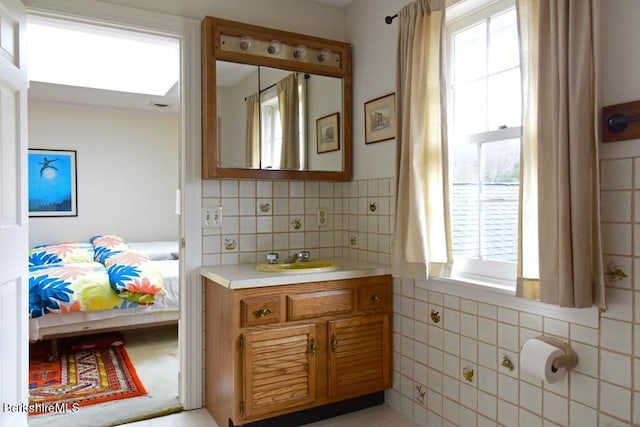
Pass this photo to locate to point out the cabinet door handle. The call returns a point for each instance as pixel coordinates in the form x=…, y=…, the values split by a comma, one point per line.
x=375, y=298
x=334, y=343
x=262, y=312
x=312, y=347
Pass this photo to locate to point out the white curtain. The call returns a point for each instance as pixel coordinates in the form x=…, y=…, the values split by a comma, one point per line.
x=289, y=106
x=560, y=257
x=252, y=147
x=422, y=246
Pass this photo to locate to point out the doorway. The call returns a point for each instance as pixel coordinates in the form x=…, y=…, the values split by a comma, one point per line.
x=103, y=106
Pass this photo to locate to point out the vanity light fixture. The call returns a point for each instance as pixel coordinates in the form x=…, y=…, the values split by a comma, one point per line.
x=245, y=43
x=300, y=51
x=275, y=47
x=271, y=47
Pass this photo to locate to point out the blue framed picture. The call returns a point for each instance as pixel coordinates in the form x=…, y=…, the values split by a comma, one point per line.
x=52, y=183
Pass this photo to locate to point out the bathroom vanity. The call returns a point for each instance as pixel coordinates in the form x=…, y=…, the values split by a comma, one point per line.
x=277, y=343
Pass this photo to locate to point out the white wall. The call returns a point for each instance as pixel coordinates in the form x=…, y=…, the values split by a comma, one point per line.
x=374, y=46
x=127, y=171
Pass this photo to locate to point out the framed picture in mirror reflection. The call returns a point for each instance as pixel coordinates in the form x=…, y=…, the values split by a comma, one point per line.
x=328, y=133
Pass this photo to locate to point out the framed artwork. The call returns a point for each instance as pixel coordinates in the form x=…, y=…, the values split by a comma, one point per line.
x=52, y=183
x=328, y=133
x=380, y=119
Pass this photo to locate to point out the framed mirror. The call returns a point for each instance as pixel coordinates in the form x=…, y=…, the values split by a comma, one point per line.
x=275, y=104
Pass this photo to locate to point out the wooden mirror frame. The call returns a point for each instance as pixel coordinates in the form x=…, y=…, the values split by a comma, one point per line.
x=212, y=30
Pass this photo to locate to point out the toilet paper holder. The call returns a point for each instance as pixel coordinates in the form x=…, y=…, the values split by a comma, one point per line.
x=568, y=360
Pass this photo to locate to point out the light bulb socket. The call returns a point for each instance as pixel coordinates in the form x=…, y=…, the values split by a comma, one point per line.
x=274, y=48
x=324, y=55
x=300, y=51
x=245, y=43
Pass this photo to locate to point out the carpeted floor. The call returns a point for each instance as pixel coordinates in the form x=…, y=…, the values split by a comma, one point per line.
x=154, y=353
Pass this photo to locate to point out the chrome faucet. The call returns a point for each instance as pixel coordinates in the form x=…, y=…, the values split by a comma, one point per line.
x=302, y=256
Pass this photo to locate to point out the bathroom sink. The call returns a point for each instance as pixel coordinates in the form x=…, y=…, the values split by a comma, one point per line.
x=299, y=267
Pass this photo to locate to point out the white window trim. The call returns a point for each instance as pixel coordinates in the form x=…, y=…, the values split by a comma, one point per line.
x=460, y=13
x=483, y=273
x=489, y=273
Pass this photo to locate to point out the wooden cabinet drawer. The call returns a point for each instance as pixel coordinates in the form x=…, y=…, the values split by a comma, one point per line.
x=260, y=310
x=318, y=304
x=374, y=298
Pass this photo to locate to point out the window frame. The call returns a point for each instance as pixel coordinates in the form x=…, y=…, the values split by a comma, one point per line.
x=464, y=15
x=271, y=131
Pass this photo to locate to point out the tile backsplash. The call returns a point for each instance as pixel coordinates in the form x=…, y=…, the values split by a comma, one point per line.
x=451, y=372
x=283, y=216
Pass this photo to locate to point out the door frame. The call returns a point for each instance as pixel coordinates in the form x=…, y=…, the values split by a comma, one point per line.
x=190, y=186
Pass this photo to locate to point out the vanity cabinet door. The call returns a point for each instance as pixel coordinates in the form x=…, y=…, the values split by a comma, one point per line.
x=279, y=369
x=359, y=355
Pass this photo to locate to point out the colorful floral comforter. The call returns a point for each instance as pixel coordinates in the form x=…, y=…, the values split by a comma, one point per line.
x=90, y=276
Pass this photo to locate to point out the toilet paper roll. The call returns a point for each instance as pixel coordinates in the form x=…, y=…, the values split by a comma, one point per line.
x=536, y=358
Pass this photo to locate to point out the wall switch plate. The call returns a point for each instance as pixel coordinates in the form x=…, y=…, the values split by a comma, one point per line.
x=322, y=217
x=212, y=217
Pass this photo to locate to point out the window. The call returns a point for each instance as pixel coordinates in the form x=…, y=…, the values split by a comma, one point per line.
x=271, y=123
x=271, y=130
x=484, y=141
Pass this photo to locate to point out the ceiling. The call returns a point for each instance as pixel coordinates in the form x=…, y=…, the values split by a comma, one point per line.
x=50, y=92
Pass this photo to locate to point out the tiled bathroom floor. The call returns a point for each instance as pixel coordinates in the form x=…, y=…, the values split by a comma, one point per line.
x=378, y=416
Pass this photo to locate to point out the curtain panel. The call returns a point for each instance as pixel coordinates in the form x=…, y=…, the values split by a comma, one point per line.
x=560, y=256
x=253, y=131
x=422, y=247
x=289, y=105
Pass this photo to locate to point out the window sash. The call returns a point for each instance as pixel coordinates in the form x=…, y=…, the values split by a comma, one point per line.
x=473, y=197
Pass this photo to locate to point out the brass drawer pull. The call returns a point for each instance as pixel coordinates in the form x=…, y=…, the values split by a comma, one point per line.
x=312, y=347
x=375, y=298
x=262, y=312
x=334, y=343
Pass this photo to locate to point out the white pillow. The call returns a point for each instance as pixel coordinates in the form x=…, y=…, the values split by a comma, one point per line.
x=157, y=250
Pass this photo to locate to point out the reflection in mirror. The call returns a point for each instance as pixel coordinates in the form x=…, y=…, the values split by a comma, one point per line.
x=237, y=89
x=325, y=98
x=267, y=118
x=282, y=118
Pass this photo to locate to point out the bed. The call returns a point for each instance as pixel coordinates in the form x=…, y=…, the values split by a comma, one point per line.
x=101, y=285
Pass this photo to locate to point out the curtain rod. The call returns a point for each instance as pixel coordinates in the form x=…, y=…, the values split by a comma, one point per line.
x=307, y=76
x=389, y=19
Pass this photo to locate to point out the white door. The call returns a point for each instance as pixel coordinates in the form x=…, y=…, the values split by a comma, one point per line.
x=14, y=286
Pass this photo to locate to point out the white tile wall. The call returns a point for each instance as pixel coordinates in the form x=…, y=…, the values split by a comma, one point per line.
x=603, y=390
x=598, y=392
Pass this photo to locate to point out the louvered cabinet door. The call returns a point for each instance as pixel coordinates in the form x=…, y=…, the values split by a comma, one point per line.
x=279, y=369
x=359, y=355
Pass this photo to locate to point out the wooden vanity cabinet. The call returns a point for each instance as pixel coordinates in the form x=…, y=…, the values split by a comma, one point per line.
x=274, y=350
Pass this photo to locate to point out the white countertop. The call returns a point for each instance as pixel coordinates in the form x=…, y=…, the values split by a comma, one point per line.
x=243, y=276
